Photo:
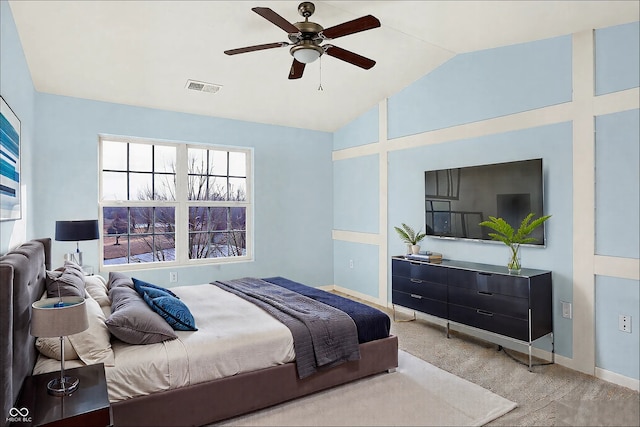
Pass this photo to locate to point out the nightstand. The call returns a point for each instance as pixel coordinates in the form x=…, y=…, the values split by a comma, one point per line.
x=88, y=406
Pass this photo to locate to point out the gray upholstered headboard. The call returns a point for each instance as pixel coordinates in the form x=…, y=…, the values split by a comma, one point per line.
x=22, y=281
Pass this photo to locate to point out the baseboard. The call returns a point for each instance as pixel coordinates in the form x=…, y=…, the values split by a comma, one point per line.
x=364, y=297
x=618, y=379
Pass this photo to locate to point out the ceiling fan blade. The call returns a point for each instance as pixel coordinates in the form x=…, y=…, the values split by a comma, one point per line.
x=348, y=56
x=254, y=48
x=297, y=68
x=350, y=27
x=276, y=19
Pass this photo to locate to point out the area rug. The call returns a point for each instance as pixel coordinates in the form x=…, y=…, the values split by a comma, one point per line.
x=417, y=394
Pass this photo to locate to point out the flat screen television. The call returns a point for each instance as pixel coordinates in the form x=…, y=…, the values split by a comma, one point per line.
x=458, y=199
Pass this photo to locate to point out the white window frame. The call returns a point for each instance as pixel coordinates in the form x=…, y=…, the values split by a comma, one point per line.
x=181, y=205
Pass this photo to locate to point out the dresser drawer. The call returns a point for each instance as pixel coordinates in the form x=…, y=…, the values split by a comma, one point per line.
x=420, y=303
x=489, y=282
x=487, y=301
x=482, y=319
x=423, y=288
x=420, y=271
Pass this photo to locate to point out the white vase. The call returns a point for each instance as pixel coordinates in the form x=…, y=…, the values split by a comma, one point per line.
x=415, y=249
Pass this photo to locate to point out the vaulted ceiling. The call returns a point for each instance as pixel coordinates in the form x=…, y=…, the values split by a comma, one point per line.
x=143, y=52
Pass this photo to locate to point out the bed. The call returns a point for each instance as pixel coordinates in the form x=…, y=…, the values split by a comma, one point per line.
x=22, y=281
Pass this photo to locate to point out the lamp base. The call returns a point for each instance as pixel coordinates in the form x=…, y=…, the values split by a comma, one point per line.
x=64, y=387
x=74, y=257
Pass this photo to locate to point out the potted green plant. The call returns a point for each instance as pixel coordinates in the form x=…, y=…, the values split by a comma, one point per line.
x=505, y=233
x=410, y=237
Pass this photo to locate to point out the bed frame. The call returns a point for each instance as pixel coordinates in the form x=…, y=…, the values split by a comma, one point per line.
x=22, y=281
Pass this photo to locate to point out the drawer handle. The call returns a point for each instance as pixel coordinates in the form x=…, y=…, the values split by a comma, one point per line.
x=481, y=273
x=416, y=296
x=416, y=280
x=485, y=293
x=484, y=313
x=415, y=263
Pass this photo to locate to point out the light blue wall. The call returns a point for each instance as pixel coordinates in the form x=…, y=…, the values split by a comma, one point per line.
x=617, y=58
x=617, y=351
x=553, y=144
x=292, y=176
x=356, y=267
x=482, y=85
x=479, y=86
x=617, y=198
x=361, y=131
x=618, y=184
x=356, y=194
x=17, y=90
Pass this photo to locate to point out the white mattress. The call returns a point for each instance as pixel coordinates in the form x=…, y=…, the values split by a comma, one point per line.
x=233, y=336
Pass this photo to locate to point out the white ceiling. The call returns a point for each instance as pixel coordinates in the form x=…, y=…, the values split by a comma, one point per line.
x=142, y=52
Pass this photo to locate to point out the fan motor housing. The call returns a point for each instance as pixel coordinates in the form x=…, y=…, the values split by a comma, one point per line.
x=309, y=31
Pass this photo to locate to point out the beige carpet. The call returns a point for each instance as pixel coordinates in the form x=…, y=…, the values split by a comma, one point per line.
x=417, y=394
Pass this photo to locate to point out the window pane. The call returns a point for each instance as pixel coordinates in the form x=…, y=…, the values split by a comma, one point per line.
x=237, y=243
x=197, y=218
x=217, y=188
x=197, y=163
x=165, y=247
x=238, y=218
x=141, y=220
x=115, y=220
x=218, y=219
x=218, y=162
x=140, y=186
x=114, y=155
x=116, y=249
x=164, y=159
x=237, y=189
x=237, y=164
x=140, y=157
x=114, y=186
x=138, y=171
x=165, y=220
x=199, y=246
x=138, y=234
x=165, y=187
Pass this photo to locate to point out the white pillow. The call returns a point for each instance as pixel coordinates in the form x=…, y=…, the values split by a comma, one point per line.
x=96, y=287
x=50, y=347
x=94, y=344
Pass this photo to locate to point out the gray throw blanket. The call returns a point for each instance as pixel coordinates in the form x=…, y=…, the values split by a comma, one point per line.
x=322, y=335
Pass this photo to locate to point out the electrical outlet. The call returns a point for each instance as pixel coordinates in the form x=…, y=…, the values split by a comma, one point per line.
x=566, y=310
x=350, y=263
x=173, y=277
x=624, y=323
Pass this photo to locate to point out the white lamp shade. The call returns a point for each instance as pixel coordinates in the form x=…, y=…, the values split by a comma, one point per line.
x=306, y=55
x=58, y=317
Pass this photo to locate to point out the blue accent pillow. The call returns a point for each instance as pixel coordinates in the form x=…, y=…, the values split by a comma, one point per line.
x=167, y=305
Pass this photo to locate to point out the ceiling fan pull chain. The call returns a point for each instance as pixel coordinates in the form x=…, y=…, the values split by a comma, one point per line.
x=320, y=87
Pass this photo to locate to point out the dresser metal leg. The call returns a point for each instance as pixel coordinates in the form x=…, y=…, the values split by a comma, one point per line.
x=393, y=306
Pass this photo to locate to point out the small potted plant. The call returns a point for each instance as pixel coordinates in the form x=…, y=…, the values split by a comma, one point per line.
x=410, y=237
x=513, y=239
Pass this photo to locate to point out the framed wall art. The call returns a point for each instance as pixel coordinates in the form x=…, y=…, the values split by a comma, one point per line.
x=10, y=206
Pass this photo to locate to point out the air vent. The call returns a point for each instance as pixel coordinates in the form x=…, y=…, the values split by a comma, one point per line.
x=202, y=86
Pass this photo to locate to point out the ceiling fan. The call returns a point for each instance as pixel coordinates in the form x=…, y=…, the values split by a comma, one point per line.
x=306, y=38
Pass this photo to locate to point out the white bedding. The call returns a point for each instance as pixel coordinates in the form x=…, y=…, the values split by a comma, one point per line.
x=233, y=336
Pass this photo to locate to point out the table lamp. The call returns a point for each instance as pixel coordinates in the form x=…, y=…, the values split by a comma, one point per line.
x=59, y=317
x=69, y=231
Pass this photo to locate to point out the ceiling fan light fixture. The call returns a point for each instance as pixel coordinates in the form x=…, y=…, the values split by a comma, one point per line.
x=306, y=53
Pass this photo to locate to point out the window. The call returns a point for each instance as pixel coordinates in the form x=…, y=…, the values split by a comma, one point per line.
x=164, y=204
